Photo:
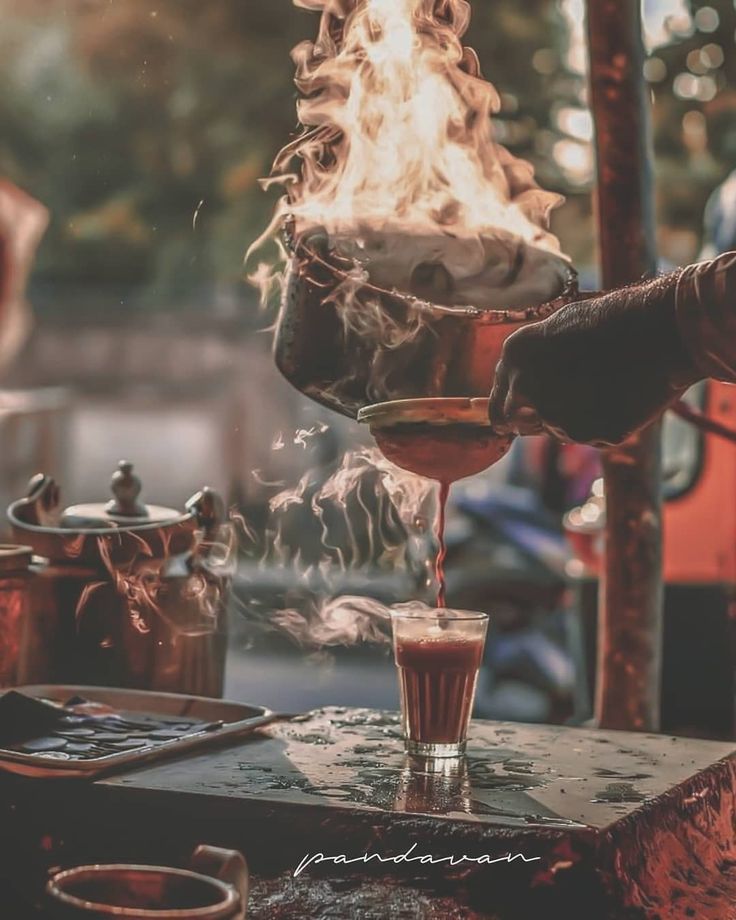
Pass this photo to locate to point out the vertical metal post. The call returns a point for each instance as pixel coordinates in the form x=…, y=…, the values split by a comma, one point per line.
x=630, y=607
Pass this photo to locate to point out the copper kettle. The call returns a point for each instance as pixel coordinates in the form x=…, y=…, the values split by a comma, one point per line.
x=124, y=594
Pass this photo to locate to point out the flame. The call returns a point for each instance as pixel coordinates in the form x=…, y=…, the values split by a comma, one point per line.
x=397, y=162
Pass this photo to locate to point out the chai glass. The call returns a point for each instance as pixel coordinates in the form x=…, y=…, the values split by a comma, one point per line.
x=438, y=653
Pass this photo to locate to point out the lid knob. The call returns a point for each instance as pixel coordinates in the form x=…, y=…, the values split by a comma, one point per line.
x=126, y=487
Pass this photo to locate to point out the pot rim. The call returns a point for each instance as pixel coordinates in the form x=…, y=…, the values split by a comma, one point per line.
x=229, y=898
x=302, y=253
x=442, y=411
x=72, y=532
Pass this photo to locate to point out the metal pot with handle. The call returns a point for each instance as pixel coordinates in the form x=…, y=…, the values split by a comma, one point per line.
x=214, y=888
x=124, y=594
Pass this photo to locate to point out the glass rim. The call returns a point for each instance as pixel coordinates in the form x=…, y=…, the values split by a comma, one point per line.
x=440, y=613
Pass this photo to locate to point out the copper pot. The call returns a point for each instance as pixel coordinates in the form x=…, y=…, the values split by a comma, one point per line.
x=214, y=888
x=451, y=351
x=424, y=392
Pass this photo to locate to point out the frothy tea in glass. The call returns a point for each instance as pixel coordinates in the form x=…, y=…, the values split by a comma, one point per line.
x=438, y=654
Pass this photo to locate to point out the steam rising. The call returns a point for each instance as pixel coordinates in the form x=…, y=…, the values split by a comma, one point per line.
x=186, y=591
x=367, y=511
x=340, y=621
x=343, y=621
x=368, y=515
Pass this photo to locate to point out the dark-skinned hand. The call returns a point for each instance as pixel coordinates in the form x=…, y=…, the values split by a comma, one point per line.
x=597, y=370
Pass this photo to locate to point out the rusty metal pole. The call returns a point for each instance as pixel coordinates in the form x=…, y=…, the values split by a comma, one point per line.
x=630, y=607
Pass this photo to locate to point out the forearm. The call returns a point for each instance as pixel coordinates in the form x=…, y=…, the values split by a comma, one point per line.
x=705, y=306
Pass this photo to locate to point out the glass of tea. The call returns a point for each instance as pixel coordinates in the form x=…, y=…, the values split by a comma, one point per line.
x=438, y=653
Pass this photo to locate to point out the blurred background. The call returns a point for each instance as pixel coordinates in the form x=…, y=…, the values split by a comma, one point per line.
x=143, y=126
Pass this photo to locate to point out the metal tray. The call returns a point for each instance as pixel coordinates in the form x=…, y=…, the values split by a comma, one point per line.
x=238, y=719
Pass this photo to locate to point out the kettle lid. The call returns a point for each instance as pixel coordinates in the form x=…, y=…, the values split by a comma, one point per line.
x=123, y=510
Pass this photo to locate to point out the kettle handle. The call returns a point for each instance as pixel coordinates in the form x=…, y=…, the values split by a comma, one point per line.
x=40, y=507
x=226, y=865
x=208, y=509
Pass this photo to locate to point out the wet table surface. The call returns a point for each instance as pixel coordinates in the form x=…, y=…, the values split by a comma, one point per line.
x=514, y=777
x=600, y=822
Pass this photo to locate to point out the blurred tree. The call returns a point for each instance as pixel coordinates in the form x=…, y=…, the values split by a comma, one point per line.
x=693, y=79
x=128, y=119
x=522, y=49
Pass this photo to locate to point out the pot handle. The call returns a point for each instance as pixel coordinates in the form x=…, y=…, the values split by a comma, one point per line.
x=226, y=865
x=208, y=509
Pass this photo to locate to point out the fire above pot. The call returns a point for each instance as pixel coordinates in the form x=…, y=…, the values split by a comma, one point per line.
x=415, y=242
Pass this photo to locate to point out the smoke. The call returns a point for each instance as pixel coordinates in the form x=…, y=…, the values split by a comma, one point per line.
x=344, y=621
x=368, y=512
x=362, y=312
x=341, y=621
x=365, y=522
x=185, y=590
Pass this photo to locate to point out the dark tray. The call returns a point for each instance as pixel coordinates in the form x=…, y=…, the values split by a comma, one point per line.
x=161, y=725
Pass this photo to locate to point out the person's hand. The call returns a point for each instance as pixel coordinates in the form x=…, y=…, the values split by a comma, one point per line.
x=595, y=371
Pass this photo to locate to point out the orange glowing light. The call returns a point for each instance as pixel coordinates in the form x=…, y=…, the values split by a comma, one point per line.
x=397, y=163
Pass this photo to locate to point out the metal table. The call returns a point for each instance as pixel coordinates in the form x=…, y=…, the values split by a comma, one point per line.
x=603, y=824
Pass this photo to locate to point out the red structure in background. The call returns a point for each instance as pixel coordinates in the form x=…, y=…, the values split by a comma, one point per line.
x=699, y=566
x=700, y=524
x=699, y=520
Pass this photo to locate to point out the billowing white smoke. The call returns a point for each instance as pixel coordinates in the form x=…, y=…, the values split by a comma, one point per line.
x=369, y=515
x=339, y=621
